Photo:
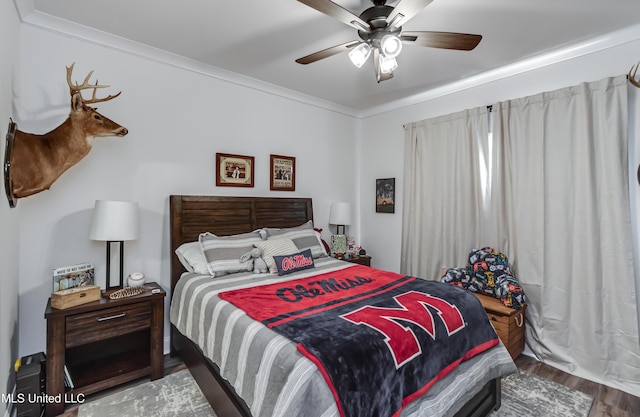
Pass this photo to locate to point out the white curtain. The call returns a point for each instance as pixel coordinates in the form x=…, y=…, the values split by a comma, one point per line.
x=566, y=206
x=446, y=160
x=549, y=187
x=634, y=181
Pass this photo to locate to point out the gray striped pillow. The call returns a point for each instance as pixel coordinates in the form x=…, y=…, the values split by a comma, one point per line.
x=275, y=247
x=303, y=236
x=223, y=253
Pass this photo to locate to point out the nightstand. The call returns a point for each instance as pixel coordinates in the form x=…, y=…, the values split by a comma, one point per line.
x=361, y=259
x=103, y=343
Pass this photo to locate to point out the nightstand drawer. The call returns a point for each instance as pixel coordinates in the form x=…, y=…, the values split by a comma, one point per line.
x=103, y=324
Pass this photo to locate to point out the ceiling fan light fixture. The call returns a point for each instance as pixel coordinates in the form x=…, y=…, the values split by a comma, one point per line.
x=387, y=64
x=380, y=31
x=390, y=46
x=360, y=54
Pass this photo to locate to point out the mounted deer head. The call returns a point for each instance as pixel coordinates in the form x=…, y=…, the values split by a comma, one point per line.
x=33, y=162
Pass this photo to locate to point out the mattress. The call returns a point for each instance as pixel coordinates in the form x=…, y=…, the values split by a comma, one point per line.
x=272, y=376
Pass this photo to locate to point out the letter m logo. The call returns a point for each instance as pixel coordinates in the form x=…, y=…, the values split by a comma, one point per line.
x=400, y=339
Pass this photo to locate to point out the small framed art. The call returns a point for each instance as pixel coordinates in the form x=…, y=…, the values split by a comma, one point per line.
x=385, y=195
x=234, y=170
x=283, y=173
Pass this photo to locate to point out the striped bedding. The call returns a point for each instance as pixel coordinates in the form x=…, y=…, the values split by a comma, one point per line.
x=272, y=376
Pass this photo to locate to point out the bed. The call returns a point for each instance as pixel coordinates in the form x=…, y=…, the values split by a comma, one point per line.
x=472, y=389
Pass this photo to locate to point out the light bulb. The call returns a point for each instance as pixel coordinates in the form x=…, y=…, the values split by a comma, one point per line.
x=390, y=46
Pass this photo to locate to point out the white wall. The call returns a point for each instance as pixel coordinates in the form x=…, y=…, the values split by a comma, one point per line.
x=177, y=120
x=383, y=135
x=9, y=50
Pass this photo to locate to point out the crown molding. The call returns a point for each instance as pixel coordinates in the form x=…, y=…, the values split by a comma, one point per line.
x=30, y=16
x=44, y=21
x=24, y=8
x=610, y=40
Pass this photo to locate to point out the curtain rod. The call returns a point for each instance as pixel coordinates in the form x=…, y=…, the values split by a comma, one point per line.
x=489, y=109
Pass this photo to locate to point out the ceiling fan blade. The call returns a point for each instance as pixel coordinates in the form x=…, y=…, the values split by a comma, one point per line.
x=444, y=40
x=326, y=53
x=405, y=10
x=380, y=76
x=338, y=12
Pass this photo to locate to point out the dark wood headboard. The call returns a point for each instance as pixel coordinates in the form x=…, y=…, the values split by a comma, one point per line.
x=223, y=216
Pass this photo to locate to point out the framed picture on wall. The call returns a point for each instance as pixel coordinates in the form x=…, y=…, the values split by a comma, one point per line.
x=234, y=170
x=386, y=195
x=283, y=173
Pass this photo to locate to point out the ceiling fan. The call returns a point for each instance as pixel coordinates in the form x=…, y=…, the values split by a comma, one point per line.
x=380, y=31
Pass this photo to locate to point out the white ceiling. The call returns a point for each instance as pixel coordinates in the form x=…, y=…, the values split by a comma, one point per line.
x=261, y=39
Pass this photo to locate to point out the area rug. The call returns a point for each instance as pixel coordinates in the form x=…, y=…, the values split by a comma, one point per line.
x=524, y=394
x=174, y=395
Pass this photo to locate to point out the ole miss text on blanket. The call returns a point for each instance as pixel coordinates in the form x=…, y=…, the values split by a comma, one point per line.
x=380, y=339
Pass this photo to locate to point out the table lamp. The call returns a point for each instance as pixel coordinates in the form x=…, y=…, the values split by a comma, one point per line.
x=114, y=222
x=339, y=215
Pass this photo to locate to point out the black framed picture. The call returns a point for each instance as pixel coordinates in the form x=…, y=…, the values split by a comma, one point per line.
x=386, y=195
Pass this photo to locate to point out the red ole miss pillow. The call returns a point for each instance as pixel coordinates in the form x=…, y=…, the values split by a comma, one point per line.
x=295, y=262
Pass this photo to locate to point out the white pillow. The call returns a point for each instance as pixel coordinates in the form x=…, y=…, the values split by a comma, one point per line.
x=191, y=257
x=275, y=247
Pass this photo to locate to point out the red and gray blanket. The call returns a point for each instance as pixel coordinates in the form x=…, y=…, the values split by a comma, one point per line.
x=380, y=339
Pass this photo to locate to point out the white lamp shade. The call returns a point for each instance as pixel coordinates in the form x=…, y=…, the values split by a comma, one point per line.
x=114, y=221
x=387, y=64
x=340, y=213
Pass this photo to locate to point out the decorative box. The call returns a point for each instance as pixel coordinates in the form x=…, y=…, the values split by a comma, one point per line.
x=508, y=322
x=75, y=296
x=338, y=244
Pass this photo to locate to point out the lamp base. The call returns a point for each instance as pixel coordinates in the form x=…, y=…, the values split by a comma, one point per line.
x=121, y=259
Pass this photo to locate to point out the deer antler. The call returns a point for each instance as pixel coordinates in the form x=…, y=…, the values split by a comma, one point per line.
x=76, y=88
x=632, y=75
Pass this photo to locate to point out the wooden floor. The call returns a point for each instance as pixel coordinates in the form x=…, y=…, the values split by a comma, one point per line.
x=608, y=402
